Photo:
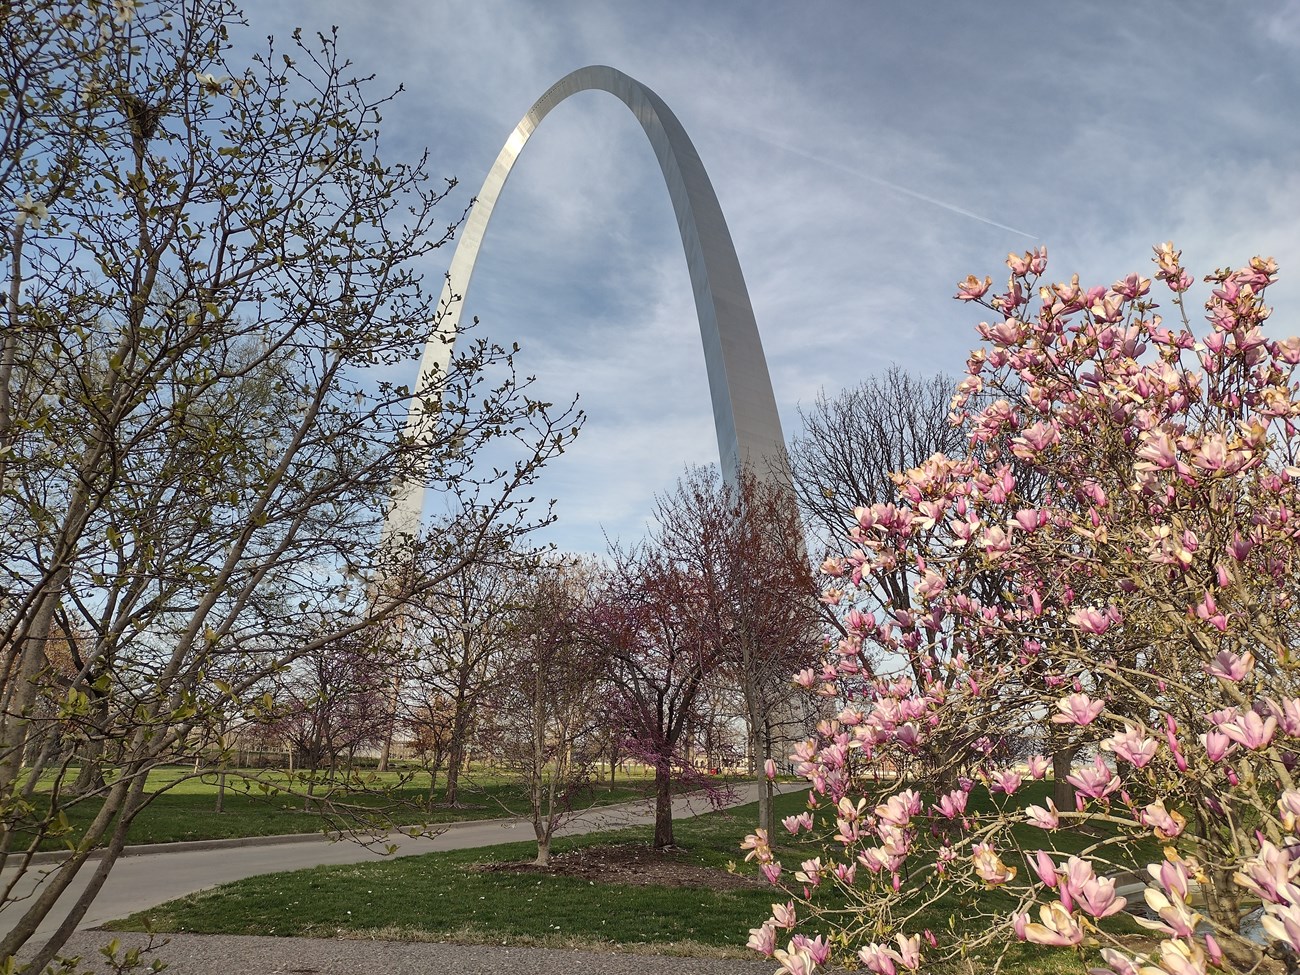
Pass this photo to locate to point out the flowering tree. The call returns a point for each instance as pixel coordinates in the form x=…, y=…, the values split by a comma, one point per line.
x=650, y=616
x=330, y=704
x=758, y=605
x=1145, y=601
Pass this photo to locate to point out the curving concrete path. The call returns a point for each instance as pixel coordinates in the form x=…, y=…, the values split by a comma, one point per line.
x=148, y=876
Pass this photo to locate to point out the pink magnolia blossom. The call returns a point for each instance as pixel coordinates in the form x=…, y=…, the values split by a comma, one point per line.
x=898, y=809
x=1230, y=666
x=1180, y=958
x=1038, y=766
x=879, y=958
x=1096, y=782
x=1132, y=745
x=1217, y=745
x=953, y=804
x=1289, y=808
x=909, y=950
x=989, y=866
x=1005, y=780
x=1095, y=620
x=794, y=960
x=1282, y=921
x=818, y=948
x=783, y=915
x=1048, y=818
x=1176, y=916
x=810, y=872
x=1077, y=709
x=757, y=845
x=1046, y=869
x=793, y=824
x=771, y=871
x=973, y=288
x=1095, y=895
x=1268, y=873
x=1207, y=609
x=1250, y=730
x=1059, y=928
x=763, y=939
x=1173, y=876
x=1166, y=824
x=1120, y=964
x=1213, y=951
x=1287, y=712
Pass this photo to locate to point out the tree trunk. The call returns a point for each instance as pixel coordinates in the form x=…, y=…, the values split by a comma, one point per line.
x=758, y=753
x=453, y=773
x=543, y=849
x=663, y=807
x=390, y=726
x=1062, y=760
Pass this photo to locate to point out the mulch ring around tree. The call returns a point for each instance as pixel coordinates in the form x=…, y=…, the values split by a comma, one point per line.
x=634, y=864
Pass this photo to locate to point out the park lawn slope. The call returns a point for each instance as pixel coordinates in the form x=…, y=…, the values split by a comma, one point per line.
x=185, y=806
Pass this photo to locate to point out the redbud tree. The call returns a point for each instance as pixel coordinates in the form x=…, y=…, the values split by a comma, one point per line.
x=1111, y=558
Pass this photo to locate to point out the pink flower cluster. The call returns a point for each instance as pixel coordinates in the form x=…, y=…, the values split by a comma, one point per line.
x=1107, y=572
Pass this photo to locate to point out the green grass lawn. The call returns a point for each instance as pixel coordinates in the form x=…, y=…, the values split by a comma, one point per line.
x=185, y=806
x=444, y=895
x=449, y=896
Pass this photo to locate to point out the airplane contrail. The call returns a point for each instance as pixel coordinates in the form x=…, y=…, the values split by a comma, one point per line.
x=861, y=174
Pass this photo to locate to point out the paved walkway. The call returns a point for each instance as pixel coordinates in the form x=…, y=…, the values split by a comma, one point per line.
x=212, y=954
x=153, y=875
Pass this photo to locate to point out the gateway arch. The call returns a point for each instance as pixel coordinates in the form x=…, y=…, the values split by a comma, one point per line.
x=744, y=408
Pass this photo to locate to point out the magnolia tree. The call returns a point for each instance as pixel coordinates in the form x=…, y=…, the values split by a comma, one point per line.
x=1145, y=605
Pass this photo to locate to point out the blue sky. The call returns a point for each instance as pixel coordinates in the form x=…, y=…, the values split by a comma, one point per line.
x=867, y=156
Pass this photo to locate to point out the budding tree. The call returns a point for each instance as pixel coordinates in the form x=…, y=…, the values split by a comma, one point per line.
x=206, y=260
x=549, y=700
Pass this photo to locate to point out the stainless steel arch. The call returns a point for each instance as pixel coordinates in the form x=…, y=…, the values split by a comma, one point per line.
x=744, y=408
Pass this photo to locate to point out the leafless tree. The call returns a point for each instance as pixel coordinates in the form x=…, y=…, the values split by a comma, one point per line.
x=547, y=707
